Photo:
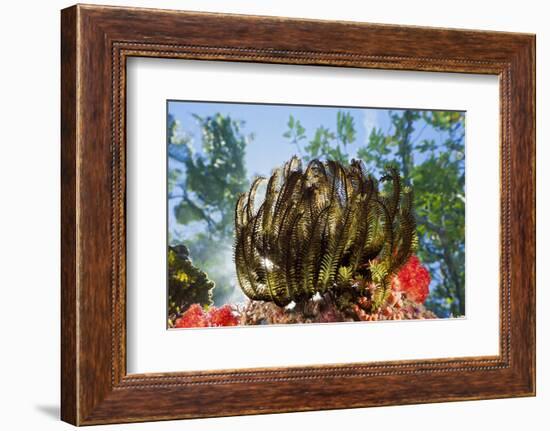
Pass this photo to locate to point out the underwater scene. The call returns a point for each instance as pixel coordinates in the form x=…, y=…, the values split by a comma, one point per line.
x=286, y=214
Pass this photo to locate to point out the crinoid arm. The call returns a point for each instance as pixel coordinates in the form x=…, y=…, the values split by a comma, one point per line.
x=328, y=229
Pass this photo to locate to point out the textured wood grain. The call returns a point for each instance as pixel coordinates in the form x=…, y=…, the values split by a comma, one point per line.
x=96, y=41
x=69, y=397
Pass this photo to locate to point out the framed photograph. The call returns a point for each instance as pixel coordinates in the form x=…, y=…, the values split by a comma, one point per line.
x=323, y=214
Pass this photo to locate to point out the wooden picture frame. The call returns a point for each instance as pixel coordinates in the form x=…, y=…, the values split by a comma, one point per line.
x=95, y=43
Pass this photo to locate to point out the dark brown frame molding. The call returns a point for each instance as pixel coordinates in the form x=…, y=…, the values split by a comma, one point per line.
x=95, y=43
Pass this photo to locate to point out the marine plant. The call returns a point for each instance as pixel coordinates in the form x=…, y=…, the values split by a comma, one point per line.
x=329, y=230
x=187, y=284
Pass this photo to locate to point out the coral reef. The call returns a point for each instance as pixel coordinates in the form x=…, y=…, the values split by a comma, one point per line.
x=267, y=313
x=328, y=243
x=407, y=293
x=408, y=290
x=199, y=317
